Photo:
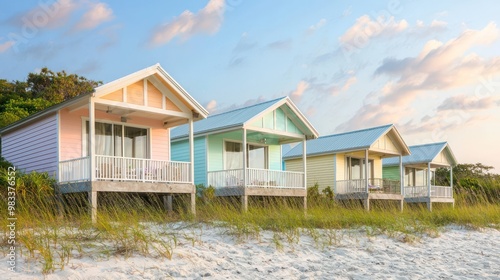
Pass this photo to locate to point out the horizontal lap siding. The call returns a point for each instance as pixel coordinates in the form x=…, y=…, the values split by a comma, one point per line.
x=33, y=147
x=180, y=152
x=391, y=172
x=319, y=170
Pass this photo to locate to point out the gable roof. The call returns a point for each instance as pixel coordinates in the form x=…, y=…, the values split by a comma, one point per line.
x=106, y=88
x=344, y=142
x=238, y=118
x=421, y=154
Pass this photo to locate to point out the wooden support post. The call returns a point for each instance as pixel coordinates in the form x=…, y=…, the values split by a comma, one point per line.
x=366, y=204
x=93, y=206
x=167, y=203
x=402, y=204
x=429, y=204
x=193, y=203
x=244, y=203
x=305, y=204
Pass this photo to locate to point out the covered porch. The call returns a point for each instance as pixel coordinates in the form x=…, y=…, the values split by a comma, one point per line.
x=419, y=187
x=362, y=169
x=256, y=169
x=117, y=138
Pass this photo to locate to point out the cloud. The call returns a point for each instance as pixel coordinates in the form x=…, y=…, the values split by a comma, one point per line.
x=438, y=67
x=422, y=30
x=97, y=14
x=5, y=46
x=211, y=106
x=313, y=28
x=207, y=21
x=463, y=102
x=244, y=44
x=297, y=93
x=280, y=45
x=45, y=16
x=366, y=29
x=351, y=81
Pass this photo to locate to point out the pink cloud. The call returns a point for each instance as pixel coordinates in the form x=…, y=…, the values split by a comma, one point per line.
x=207, y=21
x=438, y=66
x=296, y=95
x=97, y=14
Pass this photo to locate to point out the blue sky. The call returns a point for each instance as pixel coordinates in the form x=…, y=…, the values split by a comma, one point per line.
x=431, y=68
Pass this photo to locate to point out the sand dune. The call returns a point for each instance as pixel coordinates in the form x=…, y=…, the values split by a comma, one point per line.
x=206, y=252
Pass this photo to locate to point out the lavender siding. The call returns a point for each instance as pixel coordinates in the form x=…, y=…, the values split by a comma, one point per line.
x=33, y=147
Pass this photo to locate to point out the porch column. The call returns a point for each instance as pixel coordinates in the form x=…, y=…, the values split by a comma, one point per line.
x=191, y=149
x=244, y=197
x=366, y=171
x=335, y=174
x=92, y=139
x=451, y=177
x=304, y=161
x=93, y=170
x=244, y=157
x=401, y=176
x=191, y=170
x=429, y=179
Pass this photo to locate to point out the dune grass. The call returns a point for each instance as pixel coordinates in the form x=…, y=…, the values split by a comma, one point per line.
x=50, y=232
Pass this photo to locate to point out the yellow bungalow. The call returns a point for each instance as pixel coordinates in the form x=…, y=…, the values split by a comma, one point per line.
x=351, y=163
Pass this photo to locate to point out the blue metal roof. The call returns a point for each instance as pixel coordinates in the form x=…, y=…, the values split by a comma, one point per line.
x=347, y=141
x=420, y=154
x=234, y=118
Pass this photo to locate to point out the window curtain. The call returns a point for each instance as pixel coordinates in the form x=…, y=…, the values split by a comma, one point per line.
x=234, y=156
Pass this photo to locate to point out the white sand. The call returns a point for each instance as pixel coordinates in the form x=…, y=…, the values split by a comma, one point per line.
x=207, y=252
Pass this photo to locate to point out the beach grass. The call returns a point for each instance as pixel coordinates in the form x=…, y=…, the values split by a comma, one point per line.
x=51, y=231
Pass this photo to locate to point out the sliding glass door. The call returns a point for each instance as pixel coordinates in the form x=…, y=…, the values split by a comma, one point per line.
x=118, y=140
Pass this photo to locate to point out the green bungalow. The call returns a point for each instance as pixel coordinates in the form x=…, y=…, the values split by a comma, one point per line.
x=221, y=161
x=419, y=166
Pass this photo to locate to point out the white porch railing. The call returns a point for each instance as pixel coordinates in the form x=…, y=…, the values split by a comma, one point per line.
x=416, y=191
x=74, y=170
x=261, y=178
x=375, y=185
x=423, y=191
x=125, y=169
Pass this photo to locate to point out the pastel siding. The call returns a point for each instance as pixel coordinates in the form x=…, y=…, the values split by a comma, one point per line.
x=320, y=170
x=180, y=152
x=34, y=147
x=391, y=173
x=72, y=130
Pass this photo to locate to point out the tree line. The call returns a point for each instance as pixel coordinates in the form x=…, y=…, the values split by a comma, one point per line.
x=19, y=99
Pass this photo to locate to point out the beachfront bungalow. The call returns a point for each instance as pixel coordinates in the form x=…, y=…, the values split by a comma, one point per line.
x=418, y=173
x=239, y=152
x=351, y=163
x=115, y=139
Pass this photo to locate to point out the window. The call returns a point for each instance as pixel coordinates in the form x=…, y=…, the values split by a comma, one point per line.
x=355, y=168
x=415, y=177
x=256, y=156
x=118, y=140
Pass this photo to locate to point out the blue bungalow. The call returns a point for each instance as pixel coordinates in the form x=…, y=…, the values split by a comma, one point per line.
x=418, y=173
x=239, y=152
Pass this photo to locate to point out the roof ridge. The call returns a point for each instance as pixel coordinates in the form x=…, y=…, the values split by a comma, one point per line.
x=428, y=144
x=250, y=106
x=355, y=131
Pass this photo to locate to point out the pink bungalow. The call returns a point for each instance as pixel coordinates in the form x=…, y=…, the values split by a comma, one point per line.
x=115, y=139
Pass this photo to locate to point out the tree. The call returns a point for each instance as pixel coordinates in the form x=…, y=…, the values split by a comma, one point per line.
x=58, y=87
x=19, y=99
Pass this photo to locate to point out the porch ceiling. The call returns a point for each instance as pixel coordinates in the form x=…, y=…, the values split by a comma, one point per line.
x=271, y=138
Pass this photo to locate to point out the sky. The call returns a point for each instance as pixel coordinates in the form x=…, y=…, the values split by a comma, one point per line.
x=432, y=68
